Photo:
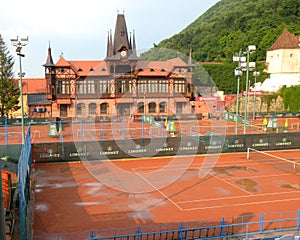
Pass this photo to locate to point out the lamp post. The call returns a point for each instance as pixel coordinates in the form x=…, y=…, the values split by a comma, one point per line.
x=237, y=72
x=255, y=74
x=251, y=48
x=244, y=65
x=19, y=43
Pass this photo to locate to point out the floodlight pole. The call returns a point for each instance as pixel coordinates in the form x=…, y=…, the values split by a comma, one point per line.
x=238, y=73
x=255, y=74
x=251, y=48
x=246, y=96
x=19, y=43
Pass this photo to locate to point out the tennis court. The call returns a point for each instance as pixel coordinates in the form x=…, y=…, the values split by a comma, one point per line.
x=85, y=196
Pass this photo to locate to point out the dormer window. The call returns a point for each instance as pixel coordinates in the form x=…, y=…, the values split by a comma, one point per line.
x=91, y=69
x=151, y=70
x=163, y=70
x=79, y=70
x=103, y=69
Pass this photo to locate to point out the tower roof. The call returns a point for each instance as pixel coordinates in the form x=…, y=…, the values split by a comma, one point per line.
x=121, y=35
x=49, y=61
x=286, y=41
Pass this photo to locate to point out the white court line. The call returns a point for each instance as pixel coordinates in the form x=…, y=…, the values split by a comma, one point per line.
x=262, y=176
x=242, y=196
x=156, y=189
x=243, y=204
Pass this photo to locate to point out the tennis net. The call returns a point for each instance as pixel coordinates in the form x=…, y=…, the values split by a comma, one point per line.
x=280, y=163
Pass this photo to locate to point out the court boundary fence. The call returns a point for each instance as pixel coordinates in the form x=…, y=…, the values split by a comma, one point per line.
x=245, y=226
x=24, y=169
x=156, y=147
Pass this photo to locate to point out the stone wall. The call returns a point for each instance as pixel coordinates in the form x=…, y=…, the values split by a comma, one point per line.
x=261, y=105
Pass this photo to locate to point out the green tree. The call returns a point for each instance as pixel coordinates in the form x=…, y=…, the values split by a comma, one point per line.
x=9, y=89
x=290, y=98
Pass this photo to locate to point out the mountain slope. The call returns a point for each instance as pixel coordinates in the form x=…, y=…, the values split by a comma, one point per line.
x=224, y=29
x=231, y=25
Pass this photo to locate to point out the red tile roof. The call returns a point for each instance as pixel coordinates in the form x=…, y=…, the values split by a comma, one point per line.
x=286, y=41
x=62, y=63
x=85, y=67
x=34, y=85
x=153, y=72
x=158, y=65
x=90, y=68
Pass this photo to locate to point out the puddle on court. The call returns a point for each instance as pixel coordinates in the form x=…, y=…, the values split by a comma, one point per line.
x=228, y=169
x=248, y=184
x=291, y=186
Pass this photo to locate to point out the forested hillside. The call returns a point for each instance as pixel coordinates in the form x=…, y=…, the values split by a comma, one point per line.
x=231, y=25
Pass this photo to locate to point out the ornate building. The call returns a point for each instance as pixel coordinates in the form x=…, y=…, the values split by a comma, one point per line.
x=120, y=85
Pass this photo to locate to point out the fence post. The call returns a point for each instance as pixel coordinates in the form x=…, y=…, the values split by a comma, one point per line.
x=139, y=232
x=6, y=132
x=81, y=130
x=123, y=130
x=261, y=222
x=143, y=126
x=298, y=219
x=162, y=128
x=92, y=235
x=222, y=227
x=180, y=235
x=102, y=134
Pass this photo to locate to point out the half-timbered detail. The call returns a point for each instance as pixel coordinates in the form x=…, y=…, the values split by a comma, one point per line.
x=120, y=85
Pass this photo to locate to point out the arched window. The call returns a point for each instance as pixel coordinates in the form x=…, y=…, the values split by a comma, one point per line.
x=92, y=108
x=140, y=107
x=152, y=107
x=103, y=108
x=163, y=107
x=80, y=109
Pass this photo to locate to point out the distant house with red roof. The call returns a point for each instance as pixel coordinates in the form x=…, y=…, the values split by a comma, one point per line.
x=34, y=98
x=283, y=63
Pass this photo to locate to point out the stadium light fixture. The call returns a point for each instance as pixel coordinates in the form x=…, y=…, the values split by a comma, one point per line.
x=19, y=43
x=243, y=65
x=255, y=74
x=251, y=49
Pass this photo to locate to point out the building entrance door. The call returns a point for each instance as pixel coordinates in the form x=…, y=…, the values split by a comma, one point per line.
x=63, y=110
x=123, y=109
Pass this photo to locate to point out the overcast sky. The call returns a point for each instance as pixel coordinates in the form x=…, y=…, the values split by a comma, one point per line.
x=78, y=29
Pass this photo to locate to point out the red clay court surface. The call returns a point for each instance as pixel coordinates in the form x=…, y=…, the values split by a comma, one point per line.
x=68, y=198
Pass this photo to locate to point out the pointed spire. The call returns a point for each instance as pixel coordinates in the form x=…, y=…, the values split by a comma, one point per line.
x=133, y=45
x=110, y=44
x=130, y=42
x=107, y=46
x=190, y=57
x=49, y=61
x=190, y=61
x=121, y=35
